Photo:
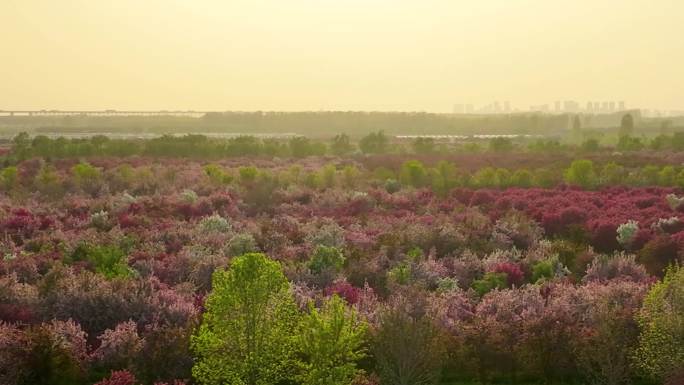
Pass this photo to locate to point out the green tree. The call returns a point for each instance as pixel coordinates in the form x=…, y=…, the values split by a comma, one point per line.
x=341, y=145
x=500, y=144
x=612, y=174
x=649, y=175
x=47, y=182
x=422, y=145
x=248, y=174
x=87, y=177
x=629, y=143
x=667, y=176
x=246, y=335
x=590, y=145
x=374, y=143
x=661, y=343
x=576, y=123
x=413, y=173
x=301, y=147
x=503, y=177
x=485, y=177
x=331, y=341
x=444, y=177
x=522, y=178
x=327, y=176
x=8, y=177
x=545, y=178
x=325, y=258
x=350, y=175
x=626, y=125
x=21, y=146
x=217, y=175
x=581, y=173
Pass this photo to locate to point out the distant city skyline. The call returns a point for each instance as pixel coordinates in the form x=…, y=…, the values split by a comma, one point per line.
x=563, y=106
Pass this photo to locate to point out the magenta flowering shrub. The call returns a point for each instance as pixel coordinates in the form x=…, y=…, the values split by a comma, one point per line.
x=563, y=306
x=618, y=266
x=119, y=377
x=119, y=347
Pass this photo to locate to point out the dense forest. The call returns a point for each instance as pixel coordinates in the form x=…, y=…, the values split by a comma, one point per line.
x=327, y=124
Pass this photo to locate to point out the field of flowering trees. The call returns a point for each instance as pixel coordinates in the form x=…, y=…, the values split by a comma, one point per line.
x=340, y=269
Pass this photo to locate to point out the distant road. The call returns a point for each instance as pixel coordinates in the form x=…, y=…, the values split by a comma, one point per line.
x=190, y=113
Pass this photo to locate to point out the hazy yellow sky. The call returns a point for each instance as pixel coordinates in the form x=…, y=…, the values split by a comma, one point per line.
x=338, y=55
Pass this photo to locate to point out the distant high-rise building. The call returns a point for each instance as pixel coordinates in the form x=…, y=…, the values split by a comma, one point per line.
x=611, y=106
x=558, y=106
x=469, y=109
x=590, y=107
x=459, y=108
x=621, y=106
x=570, y=106
x=507, y=106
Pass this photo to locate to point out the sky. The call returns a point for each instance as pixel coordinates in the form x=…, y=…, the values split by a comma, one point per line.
x=303, y=55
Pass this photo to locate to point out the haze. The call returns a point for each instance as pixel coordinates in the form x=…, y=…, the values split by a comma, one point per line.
x=337, y=55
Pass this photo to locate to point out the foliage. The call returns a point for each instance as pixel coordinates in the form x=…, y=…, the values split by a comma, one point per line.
x=407, y=347
x=489, y=282
x=331, y=341
x=246, y=331
x=374, y=143
x=661, y=343
x=581, y=173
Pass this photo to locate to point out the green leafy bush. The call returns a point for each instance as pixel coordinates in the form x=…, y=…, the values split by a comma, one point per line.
x=489, y=282
x=331, y=341
x=661, y=344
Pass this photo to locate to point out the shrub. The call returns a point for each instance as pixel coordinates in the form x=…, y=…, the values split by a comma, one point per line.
x=489, y=282
x=56, y=354
x=109, y=261
x=413, y=173
x=8, y=178
x=661, y=344
x=544, y=270
x=407, y=347
x=392, y=186
x=242, y=243
x=165, y=355
x=214, y=224
x=331, y=342
x=674, y=201
x=608, y=331
x=581, y=173
x=326, y=258
x=658, y=253
x=217, y=175
x=618, y=266
x=626, y=233
x=119, y=348
x=189, y=196
x=87, y=177
x=100, y=220
x=329, y=234
x=119, y=377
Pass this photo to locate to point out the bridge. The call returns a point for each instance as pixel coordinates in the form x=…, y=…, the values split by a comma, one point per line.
x=190, y=113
